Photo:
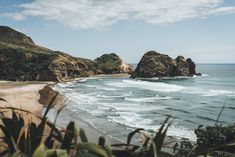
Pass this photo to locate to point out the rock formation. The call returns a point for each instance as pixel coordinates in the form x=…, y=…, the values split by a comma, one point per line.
x=182, y=67
x=111, y=64
x=21, y=59
x=9, y=34
x=154, y=64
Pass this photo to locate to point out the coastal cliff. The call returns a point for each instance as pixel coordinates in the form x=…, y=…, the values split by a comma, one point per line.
x=22, y=60
x=154, y=64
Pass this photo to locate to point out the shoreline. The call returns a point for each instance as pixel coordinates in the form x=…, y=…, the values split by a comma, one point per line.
x=36, y=90
x=34, y=96
x=91, y=131
x=169, y=140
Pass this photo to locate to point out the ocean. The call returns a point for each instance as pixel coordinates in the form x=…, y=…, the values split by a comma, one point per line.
x=115, y=106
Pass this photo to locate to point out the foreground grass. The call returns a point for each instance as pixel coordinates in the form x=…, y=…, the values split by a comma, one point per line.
x=22, y=137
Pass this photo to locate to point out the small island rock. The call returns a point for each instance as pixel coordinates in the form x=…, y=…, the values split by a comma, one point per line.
x=154, y=64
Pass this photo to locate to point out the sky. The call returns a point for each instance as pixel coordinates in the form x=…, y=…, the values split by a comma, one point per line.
x=203, y=30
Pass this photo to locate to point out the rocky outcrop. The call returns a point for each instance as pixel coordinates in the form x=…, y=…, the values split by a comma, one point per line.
x=192, y=67
x=111, y=64
x=9, y=34
x=182, y=66
x=21, y=59
x=154, y=64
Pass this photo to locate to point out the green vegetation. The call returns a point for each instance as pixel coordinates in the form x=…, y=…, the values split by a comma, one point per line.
x=24, y=138
x=23, y=66
x=22, y=60
x=109, y=63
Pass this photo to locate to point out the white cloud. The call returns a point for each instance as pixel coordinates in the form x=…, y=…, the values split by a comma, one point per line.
x=103, y=13
x=15, y=16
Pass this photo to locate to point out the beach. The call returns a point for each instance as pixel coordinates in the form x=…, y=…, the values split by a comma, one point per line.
x=34, y=96
x=22, y=95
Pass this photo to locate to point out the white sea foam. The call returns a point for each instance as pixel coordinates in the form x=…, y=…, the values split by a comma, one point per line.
x=114, y=96
x=182, y=132
x=136, y=121
x=219, y=92
x=82, y=98
x=208, y=92
x=153, y=86
x=132, y=107
x=205, y=75
x=166, y=78
x=130, y=120
x=176, y=131
x=101, y=87
x=82, y=80
x=63, y=85
x=147, y=99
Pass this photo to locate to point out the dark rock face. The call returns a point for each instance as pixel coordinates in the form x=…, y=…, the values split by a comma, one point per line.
x=154, y=64
x=182, y=66
x=22, y=60
x=10, y=34
x=192, y=66
x=111, y=64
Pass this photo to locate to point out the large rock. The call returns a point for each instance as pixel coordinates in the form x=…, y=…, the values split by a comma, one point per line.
x=111, y=64
x=182, y=66
x=192, y=67
x=154, y=64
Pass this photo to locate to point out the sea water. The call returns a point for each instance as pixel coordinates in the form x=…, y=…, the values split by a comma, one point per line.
x=115, y=106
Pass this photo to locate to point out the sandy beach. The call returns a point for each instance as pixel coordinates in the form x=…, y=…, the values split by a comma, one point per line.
x=33, y=96
x=23, y=95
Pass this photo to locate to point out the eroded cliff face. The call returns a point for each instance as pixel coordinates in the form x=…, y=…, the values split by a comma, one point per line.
x=21, y=59
x=154, y=64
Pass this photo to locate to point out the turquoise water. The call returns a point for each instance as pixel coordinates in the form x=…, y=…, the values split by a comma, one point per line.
x=117, y=105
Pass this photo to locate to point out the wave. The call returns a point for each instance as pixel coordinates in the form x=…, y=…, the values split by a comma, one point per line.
x=100, y=87
x=132, y=107
x=149, y=124
x=131, y=120
x=178, y=131
x=208, y=92
x=230, y=107
x=63, y=85
x=147, y=99
x=205, y=75
x=82, y=98
x=206, y=118
x=122, y=96
x=165, y=78
x=219, y=92
x=82, y=80
x=179, y=110
x=152, y=86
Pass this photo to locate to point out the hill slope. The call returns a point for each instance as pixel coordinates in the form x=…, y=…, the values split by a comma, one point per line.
x=21, y=59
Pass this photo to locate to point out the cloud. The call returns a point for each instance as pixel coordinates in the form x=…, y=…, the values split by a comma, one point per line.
x=103, y=13
x=15, y=16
